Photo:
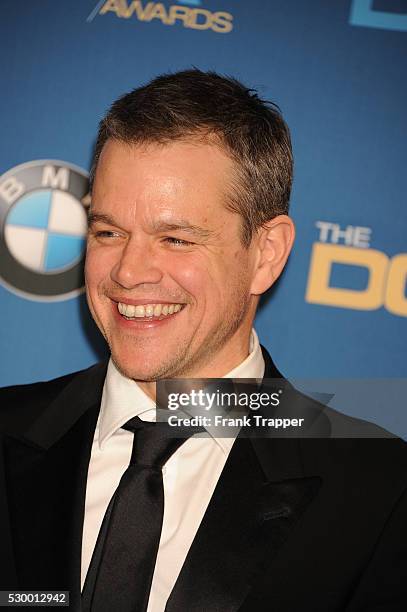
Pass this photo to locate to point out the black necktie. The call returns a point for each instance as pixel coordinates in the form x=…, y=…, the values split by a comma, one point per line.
x=121, y=571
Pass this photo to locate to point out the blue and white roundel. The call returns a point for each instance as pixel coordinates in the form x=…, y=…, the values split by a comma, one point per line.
x=42, y=229
x=45, y=230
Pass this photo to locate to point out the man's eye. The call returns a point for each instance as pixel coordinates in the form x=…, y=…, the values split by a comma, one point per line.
x=177, y=241
x=105, y=234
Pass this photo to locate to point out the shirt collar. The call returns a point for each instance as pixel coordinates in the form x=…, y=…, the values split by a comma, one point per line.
x=123, y=399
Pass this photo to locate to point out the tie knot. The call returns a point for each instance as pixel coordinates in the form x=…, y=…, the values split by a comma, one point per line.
x=154, y=443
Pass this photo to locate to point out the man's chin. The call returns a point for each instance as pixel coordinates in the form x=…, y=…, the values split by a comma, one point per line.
x=141, y=372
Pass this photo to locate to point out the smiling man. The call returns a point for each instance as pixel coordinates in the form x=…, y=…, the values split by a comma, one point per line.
x=188, y=227
x=170, y=282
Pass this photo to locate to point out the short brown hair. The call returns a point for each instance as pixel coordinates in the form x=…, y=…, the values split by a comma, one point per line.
x=191, y=104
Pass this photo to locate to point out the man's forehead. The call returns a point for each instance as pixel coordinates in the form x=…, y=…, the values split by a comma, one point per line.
x=202, y=156
x=179, y=193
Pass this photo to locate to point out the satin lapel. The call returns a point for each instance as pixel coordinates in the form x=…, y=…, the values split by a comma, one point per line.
x=246, y=523
x=259, y=499
x=46, y=473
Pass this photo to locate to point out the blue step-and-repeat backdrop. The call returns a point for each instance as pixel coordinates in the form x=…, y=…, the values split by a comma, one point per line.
x=337, y=69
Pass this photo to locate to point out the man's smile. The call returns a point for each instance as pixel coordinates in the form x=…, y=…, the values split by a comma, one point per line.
x=145, y=315
x=149, y=311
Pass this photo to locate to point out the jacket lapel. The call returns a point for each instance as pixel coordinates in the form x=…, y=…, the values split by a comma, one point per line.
x=46, y=473
x=247, y=522
x=259, y=499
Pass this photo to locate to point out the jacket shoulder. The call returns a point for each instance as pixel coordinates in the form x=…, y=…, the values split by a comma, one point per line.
x=21, y=404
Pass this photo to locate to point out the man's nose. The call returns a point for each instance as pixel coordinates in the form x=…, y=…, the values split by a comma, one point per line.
x=137, y=264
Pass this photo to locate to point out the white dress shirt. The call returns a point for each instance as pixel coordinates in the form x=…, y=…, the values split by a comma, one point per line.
x=189, y=476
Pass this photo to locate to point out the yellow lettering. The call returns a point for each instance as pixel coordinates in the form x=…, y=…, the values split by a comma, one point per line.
x=115, y=6
x=178, y=12
x=142, y=13
x=197, y=19
x=222, y=22
x=158, y=12
x=194, y=19
x=319, y=291
x=395, y=299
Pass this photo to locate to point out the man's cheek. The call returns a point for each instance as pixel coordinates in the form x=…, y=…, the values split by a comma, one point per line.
x=97, y=265
x=191, y=278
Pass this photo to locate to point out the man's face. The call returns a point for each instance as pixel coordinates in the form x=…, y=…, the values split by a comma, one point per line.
x=160, y=236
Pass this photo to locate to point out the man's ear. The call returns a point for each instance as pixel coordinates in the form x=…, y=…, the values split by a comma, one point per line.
x=273, y=243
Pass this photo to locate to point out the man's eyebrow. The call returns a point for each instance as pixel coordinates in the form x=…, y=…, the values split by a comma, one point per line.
x=181, y=225
x=158, y=226
x=101, y=218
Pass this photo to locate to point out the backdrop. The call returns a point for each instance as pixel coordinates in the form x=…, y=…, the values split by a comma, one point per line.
x=336, y=68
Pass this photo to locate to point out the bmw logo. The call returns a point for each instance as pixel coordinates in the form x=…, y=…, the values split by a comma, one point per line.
x=43, y=229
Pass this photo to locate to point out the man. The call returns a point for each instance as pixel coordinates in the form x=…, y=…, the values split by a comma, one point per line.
x=188, y=227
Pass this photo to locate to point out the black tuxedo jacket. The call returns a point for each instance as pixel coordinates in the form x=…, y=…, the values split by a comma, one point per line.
x=293, y=525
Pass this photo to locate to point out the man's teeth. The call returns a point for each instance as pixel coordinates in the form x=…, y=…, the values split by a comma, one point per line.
x=147, y=310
